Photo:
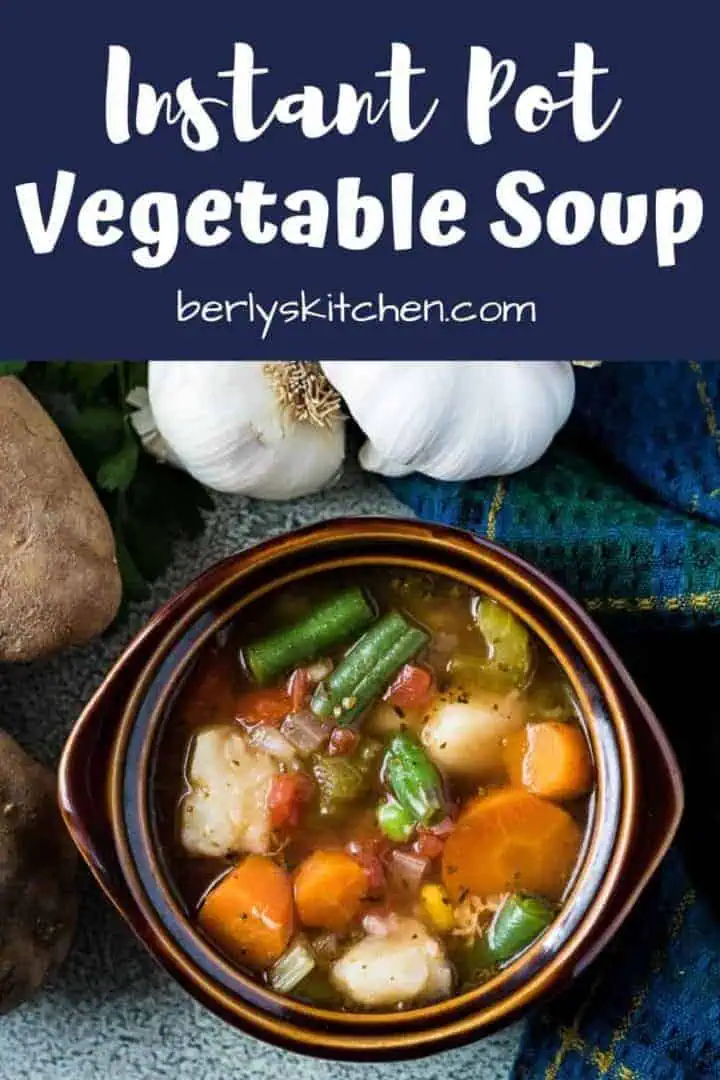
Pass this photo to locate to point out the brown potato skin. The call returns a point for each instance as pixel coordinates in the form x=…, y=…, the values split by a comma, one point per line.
x=38, y=899
x=59, y=579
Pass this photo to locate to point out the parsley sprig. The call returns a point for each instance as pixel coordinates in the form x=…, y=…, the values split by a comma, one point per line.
x=150, y=505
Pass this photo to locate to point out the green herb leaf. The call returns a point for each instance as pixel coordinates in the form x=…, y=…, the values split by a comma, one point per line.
x=86, y=378
x=101, y=425
x=12, y=367
x=118, y=471
x=150, y=546
x=135, y=375
x=134, y=584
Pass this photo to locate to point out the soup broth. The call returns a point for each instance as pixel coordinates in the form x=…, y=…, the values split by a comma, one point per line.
x=373, y=791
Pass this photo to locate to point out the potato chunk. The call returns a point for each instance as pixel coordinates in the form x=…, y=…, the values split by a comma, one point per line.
x=226, y=811
x=466, y=738
x=405, y=965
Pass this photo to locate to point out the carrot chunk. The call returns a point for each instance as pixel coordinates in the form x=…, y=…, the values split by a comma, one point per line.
x=511, y=841
x=550, y=759
x=329, y=889
x=250, y=912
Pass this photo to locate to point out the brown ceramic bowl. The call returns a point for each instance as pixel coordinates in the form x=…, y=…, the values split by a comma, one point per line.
x=109, y=759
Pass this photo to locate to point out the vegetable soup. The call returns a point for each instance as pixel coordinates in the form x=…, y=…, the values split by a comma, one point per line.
x=373, y=791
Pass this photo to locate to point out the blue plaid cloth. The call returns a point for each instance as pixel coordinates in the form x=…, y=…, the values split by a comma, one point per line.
x=625, y=512
x=625, y=508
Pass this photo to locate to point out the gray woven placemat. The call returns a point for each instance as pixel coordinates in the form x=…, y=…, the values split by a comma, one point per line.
x=110, y=1013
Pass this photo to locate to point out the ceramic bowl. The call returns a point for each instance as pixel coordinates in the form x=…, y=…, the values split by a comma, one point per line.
x=108, y=762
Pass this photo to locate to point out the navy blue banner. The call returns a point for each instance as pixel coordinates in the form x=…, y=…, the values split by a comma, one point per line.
x=383, y=180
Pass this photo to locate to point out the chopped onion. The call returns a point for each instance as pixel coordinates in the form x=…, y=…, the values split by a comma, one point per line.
x=273, y=742
x=407, y=869
x=292, y=967
x=443, y=828
x=326, y=947
x=379, y=925
x=305, y=732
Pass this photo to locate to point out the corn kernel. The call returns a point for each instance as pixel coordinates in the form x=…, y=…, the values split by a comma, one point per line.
x=437, y=907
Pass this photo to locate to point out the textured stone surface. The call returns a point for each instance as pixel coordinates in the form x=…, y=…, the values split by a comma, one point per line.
x=110, y=1012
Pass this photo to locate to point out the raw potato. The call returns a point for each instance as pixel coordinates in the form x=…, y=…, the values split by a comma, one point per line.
x=38, y=903
x=466, y=739
x=59, y=579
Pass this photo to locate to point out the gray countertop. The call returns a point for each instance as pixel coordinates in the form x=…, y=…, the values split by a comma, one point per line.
x=110, y=1012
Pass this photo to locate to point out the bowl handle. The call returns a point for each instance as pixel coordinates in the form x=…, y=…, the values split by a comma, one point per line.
x=662, y=798
x=83, y=772
x=85, y=761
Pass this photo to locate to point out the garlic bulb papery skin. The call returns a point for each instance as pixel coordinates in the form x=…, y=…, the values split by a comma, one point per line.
x=270, y=431
x=454, y=419
x=145, y=427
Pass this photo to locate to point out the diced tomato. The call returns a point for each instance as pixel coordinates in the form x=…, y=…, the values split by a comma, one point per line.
x=288, y=794
x=412, y=688
x=299, y=688
x=263, y=707
x=366, y=853
x=343, y=741
x=428, y=845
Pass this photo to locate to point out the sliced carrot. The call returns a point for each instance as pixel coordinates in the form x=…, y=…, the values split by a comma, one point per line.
x=550, y=759
x=329, y=889
x=411, y=689
x=263, y=707
x=511, y=841
x=250, y=912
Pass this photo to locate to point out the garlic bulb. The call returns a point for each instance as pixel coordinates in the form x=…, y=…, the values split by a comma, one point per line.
x=272, y=431
x=454, y=420
x=143, y=422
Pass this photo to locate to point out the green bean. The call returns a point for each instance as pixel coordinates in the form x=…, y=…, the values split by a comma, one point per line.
x=519, y=920
x=413, y=779
x=367, y=669
x=473, y=961
x=330, y=622
x=395, y=821
x=357, y=664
